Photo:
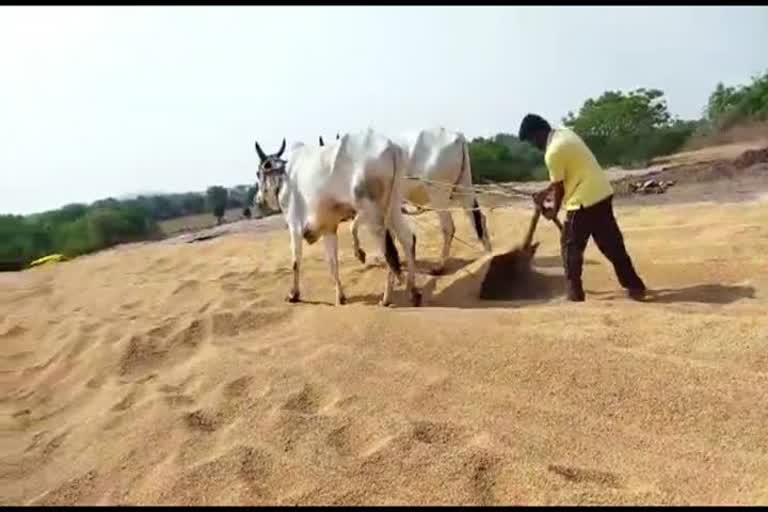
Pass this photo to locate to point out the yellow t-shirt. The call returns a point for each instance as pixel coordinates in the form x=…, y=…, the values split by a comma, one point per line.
x=570, y=160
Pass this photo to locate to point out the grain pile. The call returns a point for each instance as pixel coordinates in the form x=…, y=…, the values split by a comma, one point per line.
x=176, y=374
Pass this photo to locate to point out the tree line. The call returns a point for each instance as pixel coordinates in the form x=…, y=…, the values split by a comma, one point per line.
x=77, y=229
x=622, y=128
x=625, y=129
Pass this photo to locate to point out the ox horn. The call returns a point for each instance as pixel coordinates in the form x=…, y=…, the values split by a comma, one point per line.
x=282, y=149
x=321, y=140
x=261, y=154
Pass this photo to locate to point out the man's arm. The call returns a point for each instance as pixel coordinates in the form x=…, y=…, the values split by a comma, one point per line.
x=559, y=193
x=557, y=189
x=556, y=167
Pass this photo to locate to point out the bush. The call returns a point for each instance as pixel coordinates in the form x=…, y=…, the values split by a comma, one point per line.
x=71, y=231
x=505, y=158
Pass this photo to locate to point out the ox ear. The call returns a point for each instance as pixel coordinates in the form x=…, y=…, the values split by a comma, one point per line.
x=282, y=149
x=261, y=154
x=321, y=140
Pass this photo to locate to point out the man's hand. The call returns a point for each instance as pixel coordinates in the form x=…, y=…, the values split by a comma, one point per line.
x=539, y=198
x=548, y=213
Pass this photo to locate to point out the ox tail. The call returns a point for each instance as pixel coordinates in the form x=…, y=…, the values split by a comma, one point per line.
x=465, y=180
x=390, y=249
x=462, y=170
x=391, y=254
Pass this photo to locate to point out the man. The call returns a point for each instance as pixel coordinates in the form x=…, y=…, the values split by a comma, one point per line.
x=578, y=180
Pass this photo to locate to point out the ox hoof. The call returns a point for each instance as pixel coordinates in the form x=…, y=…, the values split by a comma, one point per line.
x=361, y=256
x=293, y=298
x=416, y=299
x=340, y=301
x=439, y=271
x=385, y=303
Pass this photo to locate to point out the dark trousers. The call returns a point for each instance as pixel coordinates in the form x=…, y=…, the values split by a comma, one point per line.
x=598, y=222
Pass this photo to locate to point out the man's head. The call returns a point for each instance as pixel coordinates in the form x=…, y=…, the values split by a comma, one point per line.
x=535, y=130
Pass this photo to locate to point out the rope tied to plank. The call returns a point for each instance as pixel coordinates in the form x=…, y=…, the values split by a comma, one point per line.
x=506, y=191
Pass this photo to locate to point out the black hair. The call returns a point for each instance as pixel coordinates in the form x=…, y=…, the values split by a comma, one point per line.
x=531, y=124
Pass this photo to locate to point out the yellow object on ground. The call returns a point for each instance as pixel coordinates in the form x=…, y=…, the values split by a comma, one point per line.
x=51, y=258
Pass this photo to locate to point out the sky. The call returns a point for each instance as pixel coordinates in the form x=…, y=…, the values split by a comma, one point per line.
x=100, y=102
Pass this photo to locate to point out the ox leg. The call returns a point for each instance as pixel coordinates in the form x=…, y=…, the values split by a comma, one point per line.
x=408, y=242
x=359, y=253
x=332, y=252
x=380, y=234
x=449, y=231
x=440, y=201
x=296, y=241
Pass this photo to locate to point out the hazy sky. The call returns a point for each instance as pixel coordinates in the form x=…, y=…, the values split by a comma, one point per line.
x=104, y=101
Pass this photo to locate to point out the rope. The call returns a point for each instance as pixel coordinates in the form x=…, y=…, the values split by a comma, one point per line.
x=423, y=209
x=505, y=191
x=467, y=244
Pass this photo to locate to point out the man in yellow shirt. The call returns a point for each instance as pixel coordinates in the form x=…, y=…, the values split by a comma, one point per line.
x=577, y=178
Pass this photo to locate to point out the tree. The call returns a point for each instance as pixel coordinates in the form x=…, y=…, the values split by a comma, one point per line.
x=192, y=203
x=628, y=128
x=217, y=201
x=730, y=105
x=616, y=114
x=250, y=194
x=505, y=158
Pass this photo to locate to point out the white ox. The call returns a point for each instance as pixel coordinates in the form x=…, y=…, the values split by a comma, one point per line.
x=358, y=176
x=438, y=173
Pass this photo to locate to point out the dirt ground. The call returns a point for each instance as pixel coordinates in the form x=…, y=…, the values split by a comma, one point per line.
x=174, y=373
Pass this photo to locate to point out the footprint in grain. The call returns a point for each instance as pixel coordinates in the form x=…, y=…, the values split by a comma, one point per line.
x=18, y=356
x=483, y=469
x=179, y=400
x=163, y=330
x=237, y=387
x=79, y=343
x=13, y=332
x=129, y=306
x=354, y=439
x=174, y=396
x=435, y=433
x=231, y=324
x=141, y=353
x=69, y=493
x=190, y=336
x=151, y=350
x=54, y=444
x=256, y=467
x=22, y=419
x=306, y=401
x=96, y=382
x=202, y=421
x=581, y=475
x=251, y=466
x=127, y=402
x=188, y=286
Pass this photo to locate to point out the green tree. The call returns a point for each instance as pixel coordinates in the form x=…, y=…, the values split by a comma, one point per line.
x=193, y=203
x=505, y=158
x=629, y=128
x=217, y=201
x=730, y=105
x=250, y=195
